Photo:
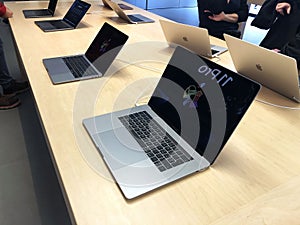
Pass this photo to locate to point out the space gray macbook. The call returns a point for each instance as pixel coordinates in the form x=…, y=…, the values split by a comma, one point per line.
x=133, y=18
x=273, y=70
x=121, y=5
x=36, y=13
x=94, y=63
x=190, y=116
x=70, y=20
x=193, y=38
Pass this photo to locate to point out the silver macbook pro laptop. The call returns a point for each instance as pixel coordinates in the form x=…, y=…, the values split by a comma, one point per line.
x=122, y=6
x=35, y=13
x=107, y=44
x=70, y=20
x=133, y=18
x=193, y=38
x=190, y=116
x=273, y=70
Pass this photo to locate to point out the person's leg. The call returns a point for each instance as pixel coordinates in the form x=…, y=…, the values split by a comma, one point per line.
x=5, y=78
x=9, y=85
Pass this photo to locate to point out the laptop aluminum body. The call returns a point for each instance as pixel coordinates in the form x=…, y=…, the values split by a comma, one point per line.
x=183, y=105
x=273, y=70
x=133, y=18
x=121, y=5
x=99, y=56
x=193, y=38
x=70, y=20
x=36, y=13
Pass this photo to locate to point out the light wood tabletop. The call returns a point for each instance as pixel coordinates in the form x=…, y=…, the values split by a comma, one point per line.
x=254, y=181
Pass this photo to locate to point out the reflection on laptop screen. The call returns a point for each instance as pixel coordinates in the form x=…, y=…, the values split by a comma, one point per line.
x=76, y=12
x=180, y=99
x=107, y=39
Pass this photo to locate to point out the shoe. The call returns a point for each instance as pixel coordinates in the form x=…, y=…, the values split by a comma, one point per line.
x=16, y=88
x=9, y=102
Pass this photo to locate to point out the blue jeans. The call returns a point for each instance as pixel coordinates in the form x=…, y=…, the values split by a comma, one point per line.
x=5, y=78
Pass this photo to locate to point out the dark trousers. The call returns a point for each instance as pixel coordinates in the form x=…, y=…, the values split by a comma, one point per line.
x=5, y=78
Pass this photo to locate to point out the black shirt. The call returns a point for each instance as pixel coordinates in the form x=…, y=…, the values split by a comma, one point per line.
x=217, y=28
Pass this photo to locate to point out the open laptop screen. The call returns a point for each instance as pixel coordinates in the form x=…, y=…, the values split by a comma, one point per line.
x=76, y=12
x=52, y=5
x=193, y=92
x=109, y=40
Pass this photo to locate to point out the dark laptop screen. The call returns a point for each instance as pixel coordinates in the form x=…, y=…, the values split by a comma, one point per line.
x=76, y=12
x=109, y=40
x=202, y=101
x=52, y=5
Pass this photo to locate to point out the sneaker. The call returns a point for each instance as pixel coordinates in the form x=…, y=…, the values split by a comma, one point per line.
x=16, y=88
x=9, y=101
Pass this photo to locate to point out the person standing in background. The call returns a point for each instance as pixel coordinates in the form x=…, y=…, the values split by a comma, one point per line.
x=222, y=16
x=8, y=86
x=284, y=34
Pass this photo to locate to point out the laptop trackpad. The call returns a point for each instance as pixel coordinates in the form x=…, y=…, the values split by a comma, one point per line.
x=58, y=70
x=56, y=66
x=119, y=148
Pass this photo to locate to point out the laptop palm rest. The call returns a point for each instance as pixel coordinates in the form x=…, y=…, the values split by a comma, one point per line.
x=119, y=147
x=130, y=159
x=59, y=69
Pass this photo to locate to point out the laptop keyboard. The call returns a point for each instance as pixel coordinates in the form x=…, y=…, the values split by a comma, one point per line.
x=160, y=147
x=79, y=66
